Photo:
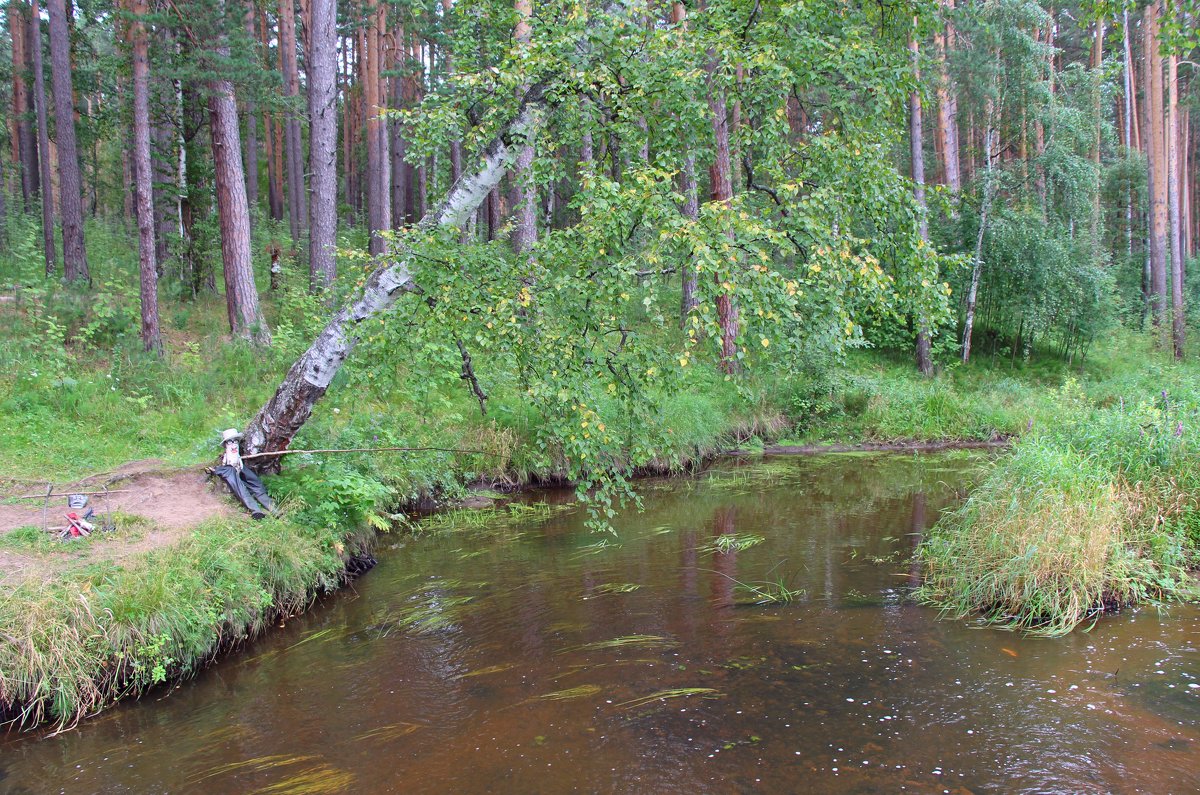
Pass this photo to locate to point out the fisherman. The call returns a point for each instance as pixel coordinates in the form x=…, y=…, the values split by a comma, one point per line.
x=242, y=481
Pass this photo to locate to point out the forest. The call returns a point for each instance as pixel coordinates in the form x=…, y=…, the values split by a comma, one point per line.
x=579, y=242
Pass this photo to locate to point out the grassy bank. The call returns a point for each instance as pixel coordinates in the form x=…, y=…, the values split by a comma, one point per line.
x=1097, y=510
x=1096, y=507
x=98, y=631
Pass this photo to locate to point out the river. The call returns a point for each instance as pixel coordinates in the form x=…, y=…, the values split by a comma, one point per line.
x=749, y=631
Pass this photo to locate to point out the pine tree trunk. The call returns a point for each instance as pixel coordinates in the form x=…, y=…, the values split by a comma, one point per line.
x=69, y=182
x=251, y=126
x=378, y=201
x=525, y=232
x=24, y=143
x=917, y=149
x=721, y=181
x=241, y=295
x=1156, y=165
x=322, y=78
x=143, y=175
x=1174, y=205
x=289, y=408
x=397, y=149
x=947, y=117
x=293, y=144
x=43, y=130
x=273, y=136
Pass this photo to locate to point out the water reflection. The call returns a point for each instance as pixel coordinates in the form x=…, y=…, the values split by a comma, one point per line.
x=530, y=657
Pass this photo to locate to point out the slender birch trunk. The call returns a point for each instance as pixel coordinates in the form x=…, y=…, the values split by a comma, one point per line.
x=989, y=137
x=916, y=138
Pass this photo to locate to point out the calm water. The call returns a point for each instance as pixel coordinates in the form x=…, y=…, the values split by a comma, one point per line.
x=536, y=657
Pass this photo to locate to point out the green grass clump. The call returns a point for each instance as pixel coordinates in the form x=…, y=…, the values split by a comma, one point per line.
x=1060, y=532
x=100, y=631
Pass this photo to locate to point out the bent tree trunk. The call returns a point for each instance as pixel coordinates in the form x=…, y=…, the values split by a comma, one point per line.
x=289, y=408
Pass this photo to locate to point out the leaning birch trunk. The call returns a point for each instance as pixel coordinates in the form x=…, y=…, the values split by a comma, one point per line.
x=277, y=422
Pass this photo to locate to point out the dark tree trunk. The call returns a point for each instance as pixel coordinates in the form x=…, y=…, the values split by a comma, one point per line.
x=297, y=198
x=322, y=78
x=169, y=183
x=43, y=130
x=69, y=181
x=721, y=179
x=143, y=174
x=241, y=296
x=25, y=143
x=251, y=127
x=397, y=148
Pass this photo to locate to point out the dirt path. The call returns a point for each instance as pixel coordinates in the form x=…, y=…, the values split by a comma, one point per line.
x=170, y=500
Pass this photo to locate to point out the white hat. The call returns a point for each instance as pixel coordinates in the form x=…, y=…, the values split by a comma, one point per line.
x=231, y=435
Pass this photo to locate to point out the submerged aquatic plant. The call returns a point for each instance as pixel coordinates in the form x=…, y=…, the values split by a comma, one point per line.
x=582, y=691
x=732, y=542
x=626, y=641
x=764, y=592
x=613, y=587
x=665, y=695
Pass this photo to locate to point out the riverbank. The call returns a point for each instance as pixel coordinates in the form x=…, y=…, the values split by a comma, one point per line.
x=95, y=625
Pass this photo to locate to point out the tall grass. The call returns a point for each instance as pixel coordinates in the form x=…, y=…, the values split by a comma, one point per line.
x=1093, y=513
x=102, y=631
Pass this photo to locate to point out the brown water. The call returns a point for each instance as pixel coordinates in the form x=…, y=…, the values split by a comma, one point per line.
x=520, y=658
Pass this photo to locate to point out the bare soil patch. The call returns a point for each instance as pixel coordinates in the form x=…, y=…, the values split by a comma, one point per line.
x=170, y=500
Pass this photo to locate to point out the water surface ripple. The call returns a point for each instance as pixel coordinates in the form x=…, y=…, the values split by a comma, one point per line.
x=532, y=656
